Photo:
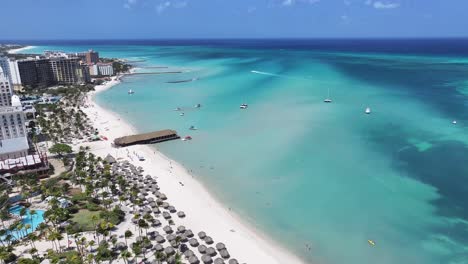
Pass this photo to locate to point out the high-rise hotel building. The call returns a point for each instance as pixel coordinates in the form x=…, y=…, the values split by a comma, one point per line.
x=13, y=134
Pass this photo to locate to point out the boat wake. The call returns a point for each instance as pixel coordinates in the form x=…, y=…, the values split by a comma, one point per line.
x=266, y=73
x=277, y=75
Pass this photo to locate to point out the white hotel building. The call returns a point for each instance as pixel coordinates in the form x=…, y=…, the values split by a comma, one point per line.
x=13, y=134
x=101, y=69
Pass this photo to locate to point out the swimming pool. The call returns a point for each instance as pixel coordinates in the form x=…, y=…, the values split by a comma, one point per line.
x=32, y=220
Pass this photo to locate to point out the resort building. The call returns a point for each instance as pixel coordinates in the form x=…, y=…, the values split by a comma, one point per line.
x=69, y=70
x=105, y=69
x=15, y=75
x=31, y=72
x=13, y=135
x=5, y=89
x=92, y=57
x=6, y=68
x=101, y=69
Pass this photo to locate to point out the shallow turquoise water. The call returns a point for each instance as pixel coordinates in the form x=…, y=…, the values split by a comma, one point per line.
x=306, y=172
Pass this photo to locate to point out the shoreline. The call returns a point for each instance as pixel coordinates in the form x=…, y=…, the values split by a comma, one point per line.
x=15, y=51
x=204, y=212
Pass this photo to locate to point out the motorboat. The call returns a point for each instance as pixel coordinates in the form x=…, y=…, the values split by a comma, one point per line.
x=131, y=91
x=197, y=105
x=368, y=111
x=454, y=122
x=244, y=106
x=177, y=109
x=181, y=114
x=187, y=138
x=193, y=128
x=371, y=242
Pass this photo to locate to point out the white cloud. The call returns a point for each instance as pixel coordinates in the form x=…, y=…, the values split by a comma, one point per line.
x=293, y=2
x=385, y=5
x=129, y=3
x=163, y=6
x=251, y=9
x=180, y=4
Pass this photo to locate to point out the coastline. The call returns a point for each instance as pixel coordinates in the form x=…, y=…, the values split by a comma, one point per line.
x=15, y=51
x=204, y=212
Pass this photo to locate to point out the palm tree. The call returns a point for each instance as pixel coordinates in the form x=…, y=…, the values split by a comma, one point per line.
x=32, y=213
x=128, y=234
x=4, y=254
x=91, y=244
x=95, y=218
x=142, y=224
x=126, y=255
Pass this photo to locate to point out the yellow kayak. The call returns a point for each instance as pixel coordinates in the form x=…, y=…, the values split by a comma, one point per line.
x=371, y=242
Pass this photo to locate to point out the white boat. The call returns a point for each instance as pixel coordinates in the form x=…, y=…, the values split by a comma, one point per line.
x=181, y=114
x=368, y=111
x=186, y=138
x=197, y=105
x=177, y=109
x=131, y=91
x=193, y=128
x=243, y=106
x=454, y=122
x=328, y=100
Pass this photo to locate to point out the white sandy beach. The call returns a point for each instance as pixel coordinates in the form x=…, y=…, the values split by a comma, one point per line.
x=20, y=50
x=204, y=213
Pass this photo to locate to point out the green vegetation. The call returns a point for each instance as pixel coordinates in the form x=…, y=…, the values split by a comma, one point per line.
x=61, y=149
x=84, y=219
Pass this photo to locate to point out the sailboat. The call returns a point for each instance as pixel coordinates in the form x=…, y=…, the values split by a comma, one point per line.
x=328, y=100
x=368, y=111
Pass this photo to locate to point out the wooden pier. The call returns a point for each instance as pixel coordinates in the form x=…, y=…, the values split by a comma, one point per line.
x=147, y=138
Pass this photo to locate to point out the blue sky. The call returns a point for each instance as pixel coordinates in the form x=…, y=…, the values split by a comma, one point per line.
x=152, y=19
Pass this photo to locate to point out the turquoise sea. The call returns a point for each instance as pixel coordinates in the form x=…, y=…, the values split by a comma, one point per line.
x=306, y=172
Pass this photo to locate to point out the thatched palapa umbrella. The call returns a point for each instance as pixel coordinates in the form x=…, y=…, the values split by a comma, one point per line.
x=219, y=261
x=188, y=253
x=166, y=215
x=211, y=251
x=193, y=242
x=121, y=246
x=159, y=247
x=193, y=260
x=209, y=240
x=201, y=235
x=202, y=249
x=181, y=229
x=206, y=259
x=168, y=229
x=181, y=214
x=220, y=246
x=171, y=209
x=169, y=251
x=188, y=233
x=160, y=239
x=170, y=237
x=233, y=261
x=156, y=223
x=224, y=253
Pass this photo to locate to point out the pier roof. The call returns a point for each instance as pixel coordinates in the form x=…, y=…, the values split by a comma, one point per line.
x=134, y=139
